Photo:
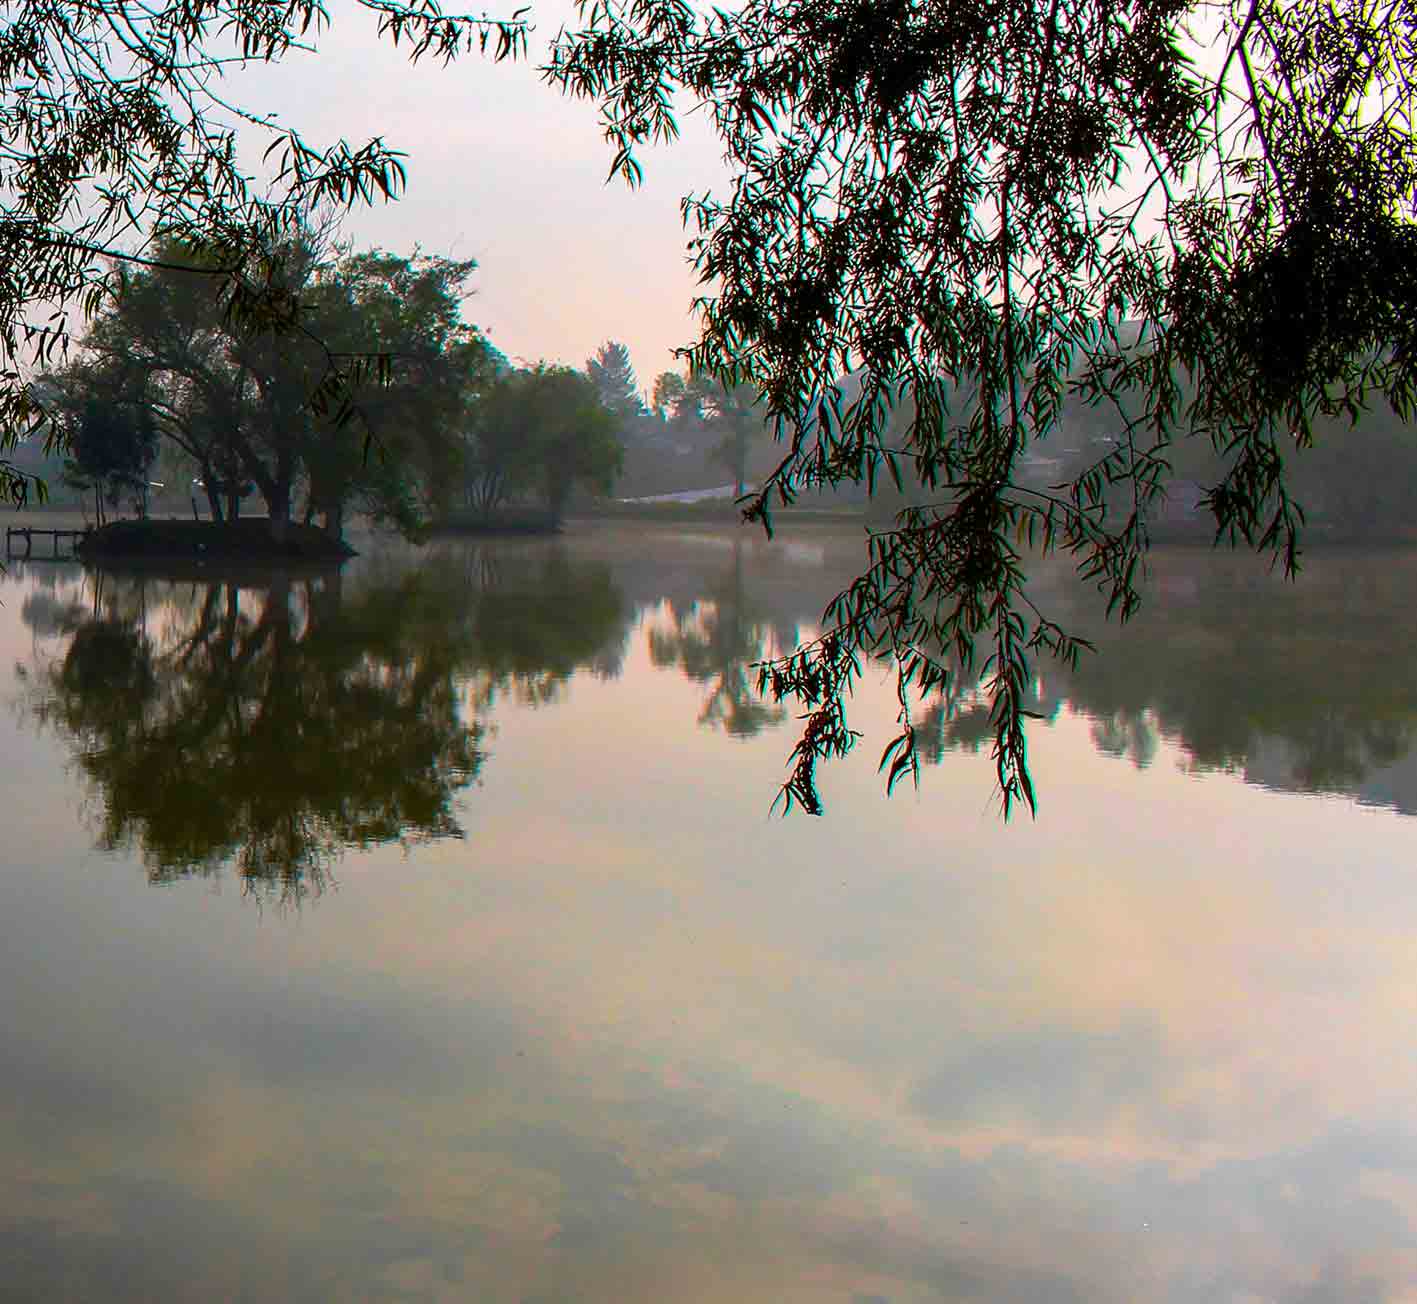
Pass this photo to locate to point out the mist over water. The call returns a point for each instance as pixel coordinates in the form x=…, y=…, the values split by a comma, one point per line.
x=422, y=931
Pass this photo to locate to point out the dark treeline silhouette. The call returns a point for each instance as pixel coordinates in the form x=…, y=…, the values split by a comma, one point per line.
x=422, y=422
x=541, y=435
x=243, y=413
x=1355, y=482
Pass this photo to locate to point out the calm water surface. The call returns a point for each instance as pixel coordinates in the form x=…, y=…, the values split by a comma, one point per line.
x=423, y=933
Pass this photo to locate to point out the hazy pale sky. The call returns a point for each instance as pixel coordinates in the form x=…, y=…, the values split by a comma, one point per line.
x=504, y=169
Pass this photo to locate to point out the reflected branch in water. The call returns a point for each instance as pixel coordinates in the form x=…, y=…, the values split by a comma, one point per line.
x=1293, y=687
x=717, y=641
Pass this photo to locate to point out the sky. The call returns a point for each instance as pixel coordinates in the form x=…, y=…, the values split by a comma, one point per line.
x=503, y=169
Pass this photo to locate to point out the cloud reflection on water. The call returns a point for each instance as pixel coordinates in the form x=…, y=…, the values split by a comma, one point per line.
x=633, y=1040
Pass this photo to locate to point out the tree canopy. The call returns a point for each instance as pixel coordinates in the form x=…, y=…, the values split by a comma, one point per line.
x=953, y=224
x=541, y=430
x=727, y=420
x=112, y=445
x=613, y=375
x=253, y=408
x=668, y=393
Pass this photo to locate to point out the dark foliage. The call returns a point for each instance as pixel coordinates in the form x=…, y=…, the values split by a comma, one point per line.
x=111, y=449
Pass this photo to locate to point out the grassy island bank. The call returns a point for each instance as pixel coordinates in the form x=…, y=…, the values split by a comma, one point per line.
x=206, y=541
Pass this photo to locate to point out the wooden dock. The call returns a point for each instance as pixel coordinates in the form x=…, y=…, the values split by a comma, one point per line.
x=27, y=533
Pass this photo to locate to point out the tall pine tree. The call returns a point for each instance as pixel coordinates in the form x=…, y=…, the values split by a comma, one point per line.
x=614, y=378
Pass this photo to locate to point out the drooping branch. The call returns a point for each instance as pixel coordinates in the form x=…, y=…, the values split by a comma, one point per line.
x=953, y=228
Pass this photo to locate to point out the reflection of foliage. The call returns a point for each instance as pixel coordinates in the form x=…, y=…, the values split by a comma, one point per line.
x=109, y=659
x=945, y=727
x=1233, y=663
x=263, y=730
x=717, y=643
x=1127, y=734
x=1293, y=686
x=538, y=626
x=48, y=615
x=518, y=623
x=279, y=726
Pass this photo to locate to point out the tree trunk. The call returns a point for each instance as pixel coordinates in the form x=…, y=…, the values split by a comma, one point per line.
x=276, y=490
x=278, y=500
x=325, y=597
x=280, y=514
x=556, y=501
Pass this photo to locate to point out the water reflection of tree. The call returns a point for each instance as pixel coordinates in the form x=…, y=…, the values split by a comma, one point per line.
x=277, y=725
x=961, y=722
x=273, y=728
x=49, y=616
x=1301, y=685
x=1294, y=685
x=716, y=642
x=528, y=623
x=1127, y=735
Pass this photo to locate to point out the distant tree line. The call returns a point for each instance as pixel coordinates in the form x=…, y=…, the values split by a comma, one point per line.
x=691, y=424
x=385, y=402
x=1353, y=482
x=379, y=399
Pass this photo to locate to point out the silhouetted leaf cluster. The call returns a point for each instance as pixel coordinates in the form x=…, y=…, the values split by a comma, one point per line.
x=952, y=225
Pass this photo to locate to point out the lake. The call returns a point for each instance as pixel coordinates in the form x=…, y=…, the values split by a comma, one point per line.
x=424, y=932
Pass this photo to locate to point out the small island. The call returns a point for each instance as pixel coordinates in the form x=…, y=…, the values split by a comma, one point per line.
x=243, y=540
